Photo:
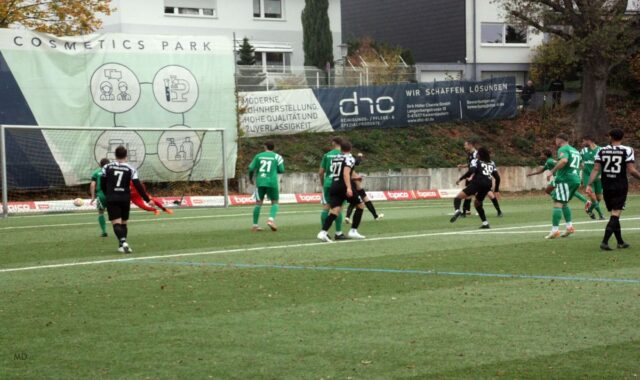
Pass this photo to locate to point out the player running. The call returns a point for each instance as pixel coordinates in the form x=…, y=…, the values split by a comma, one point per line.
x=343, y=190
x=567, y=182
x=549, y=164
x=479, y=179
x=472, y=154
x=363, y=195
x=97, y=195
x=115, y=180
x=325, y=174
x=267, y=165
x=615, y=161
x=588, y=154
x=137, y=200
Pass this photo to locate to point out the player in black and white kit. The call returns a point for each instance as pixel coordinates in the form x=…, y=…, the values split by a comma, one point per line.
x=116, y=178
x=343, y=189
x=472, y=154
x=616, y=162
x=480, y=173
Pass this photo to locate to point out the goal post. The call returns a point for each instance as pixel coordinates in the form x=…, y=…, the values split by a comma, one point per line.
x=43, y=168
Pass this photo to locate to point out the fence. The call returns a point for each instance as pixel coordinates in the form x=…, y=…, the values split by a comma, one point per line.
x=281, y=77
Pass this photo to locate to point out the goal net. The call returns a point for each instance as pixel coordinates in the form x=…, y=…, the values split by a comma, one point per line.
x=44, y=169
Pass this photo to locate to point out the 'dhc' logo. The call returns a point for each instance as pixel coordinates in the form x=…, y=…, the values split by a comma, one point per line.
x=351, y=106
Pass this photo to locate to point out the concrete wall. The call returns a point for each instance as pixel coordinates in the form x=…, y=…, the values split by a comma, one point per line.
x=513, y=179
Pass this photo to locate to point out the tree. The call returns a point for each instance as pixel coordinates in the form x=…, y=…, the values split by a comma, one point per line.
x=635, y=66
x=61, y=17
x=601, y=34
x=383, y=62
x=247, y=53
x=316, y=31
x=555, y=59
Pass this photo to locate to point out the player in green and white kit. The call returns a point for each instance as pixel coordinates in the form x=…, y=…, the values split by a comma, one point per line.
x=588, y=154
x=549, y=164
x=326, y=180
x=267, y=165
x=567, y=181
x=97, y=194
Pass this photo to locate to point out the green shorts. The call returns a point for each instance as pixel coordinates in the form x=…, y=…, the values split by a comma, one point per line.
x=325, y=195
x=596, y=186
x=272, y=192
x=101, y=202
x=564, y=191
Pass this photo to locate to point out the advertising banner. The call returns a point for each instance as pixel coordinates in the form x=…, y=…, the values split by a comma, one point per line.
x=402, y=105
x=117, y=82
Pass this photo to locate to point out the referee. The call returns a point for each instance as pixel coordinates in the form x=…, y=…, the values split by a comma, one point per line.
x=116, y=177
x=616, y=161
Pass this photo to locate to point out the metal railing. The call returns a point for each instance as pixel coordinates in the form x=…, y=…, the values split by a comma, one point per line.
x=280, y=77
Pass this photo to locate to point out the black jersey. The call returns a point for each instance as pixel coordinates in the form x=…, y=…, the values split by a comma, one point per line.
x=482, y=173
x=613, y=160
x=470, y=157
x=116, y=179
x=338, y=164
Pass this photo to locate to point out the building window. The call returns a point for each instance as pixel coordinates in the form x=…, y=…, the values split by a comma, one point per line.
x=196, y=8
x=269, y=9
x=500, y=33
x=273, y=62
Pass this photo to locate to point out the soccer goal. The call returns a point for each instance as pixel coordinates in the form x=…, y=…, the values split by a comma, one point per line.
x=49, y=169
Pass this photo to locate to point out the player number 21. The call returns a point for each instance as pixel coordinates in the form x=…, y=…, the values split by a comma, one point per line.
x=575, y=162
x=265, y=166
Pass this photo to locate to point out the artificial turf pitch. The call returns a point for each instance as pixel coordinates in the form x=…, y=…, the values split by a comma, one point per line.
x=203, y=297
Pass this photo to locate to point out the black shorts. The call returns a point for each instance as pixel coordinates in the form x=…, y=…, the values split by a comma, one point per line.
x=478, y=189
x=118, y=210
x=615, y=199
x=338, y=196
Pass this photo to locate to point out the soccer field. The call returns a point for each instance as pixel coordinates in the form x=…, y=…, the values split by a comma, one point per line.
x=203, y=297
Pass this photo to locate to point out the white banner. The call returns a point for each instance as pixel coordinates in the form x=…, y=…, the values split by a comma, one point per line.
x=281, y=113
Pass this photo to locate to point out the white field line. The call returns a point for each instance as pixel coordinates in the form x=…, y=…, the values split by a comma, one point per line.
x=134, y=211
x=171, y=218
x=269, y=248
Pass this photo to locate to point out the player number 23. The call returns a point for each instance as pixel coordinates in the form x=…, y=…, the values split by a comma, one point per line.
x=612, y=164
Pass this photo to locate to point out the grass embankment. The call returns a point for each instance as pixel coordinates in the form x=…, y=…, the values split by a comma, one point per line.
x=513, y=142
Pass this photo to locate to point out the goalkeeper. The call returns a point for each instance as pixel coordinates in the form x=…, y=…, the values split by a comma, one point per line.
x=97, y=195
x=137, y=200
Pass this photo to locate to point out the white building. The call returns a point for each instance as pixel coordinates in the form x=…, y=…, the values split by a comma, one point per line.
x=274, y=27
x=493, y=47
x=450, y=39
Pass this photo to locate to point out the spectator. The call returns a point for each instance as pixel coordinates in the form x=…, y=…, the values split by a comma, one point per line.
x=527, y=93
x=556, y=87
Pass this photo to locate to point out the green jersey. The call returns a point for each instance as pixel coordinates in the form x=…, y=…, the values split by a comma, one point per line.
x=589, y=159
x=97, y=178
x=268, y=165
x=549, y=164
x=326, y=165
x=570, y=172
